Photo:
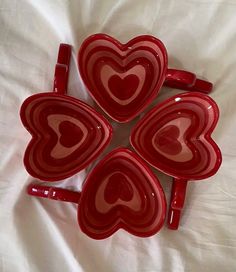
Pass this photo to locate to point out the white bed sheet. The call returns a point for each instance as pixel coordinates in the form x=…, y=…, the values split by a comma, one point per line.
x=42, y=235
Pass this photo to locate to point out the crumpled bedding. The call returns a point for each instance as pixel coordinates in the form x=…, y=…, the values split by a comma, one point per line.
x=43, y=235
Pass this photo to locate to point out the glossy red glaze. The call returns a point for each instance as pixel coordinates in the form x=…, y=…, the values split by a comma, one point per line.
x=177, y=199
x=124, y=78
x=67, y=134
x=54, y=193
x=187, y=81
x=175, y=137
x=120, y=192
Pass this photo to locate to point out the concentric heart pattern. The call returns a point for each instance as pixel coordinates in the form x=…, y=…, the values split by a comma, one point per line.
x=122, y=78
x=121, y=192
x=67, y=135
x=175, y=137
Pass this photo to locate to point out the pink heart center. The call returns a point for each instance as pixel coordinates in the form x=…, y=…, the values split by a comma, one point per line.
x=123, y=88
x=118, y=187
x=167, y=140
x=71, y=134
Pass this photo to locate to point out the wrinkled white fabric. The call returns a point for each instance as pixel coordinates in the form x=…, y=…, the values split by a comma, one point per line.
x=43, y=235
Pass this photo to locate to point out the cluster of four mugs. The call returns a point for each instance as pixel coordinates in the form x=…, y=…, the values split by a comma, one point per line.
x=174, y=137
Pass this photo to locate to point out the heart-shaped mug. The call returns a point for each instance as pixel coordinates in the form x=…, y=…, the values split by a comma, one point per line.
x=67, y=134
x=120, y=192
x=124, y=78
x=175, y=138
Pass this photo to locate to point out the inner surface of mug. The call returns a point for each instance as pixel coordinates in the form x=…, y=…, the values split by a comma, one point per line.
x=122, y=78
x=175, y=137
x=66, y=135
x=121, y=192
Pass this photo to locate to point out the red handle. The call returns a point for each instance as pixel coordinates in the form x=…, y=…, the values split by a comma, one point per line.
x=176, y=202
x=53, y=193
x=62, y=69
x=186, y=81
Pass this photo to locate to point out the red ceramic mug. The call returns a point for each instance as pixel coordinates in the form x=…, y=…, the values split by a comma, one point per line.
x=120, y=192
x=124, y=78
x=175, y=138
x=67, y=134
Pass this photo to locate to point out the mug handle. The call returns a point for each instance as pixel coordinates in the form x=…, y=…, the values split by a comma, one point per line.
x=178, y=193
x=53, y=193
x=62, y=68
x=187, y=81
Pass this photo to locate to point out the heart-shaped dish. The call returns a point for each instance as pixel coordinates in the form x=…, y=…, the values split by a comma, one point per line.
x=120, y=192
x=124, y=78
x=67, y=135
x=175, y=136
